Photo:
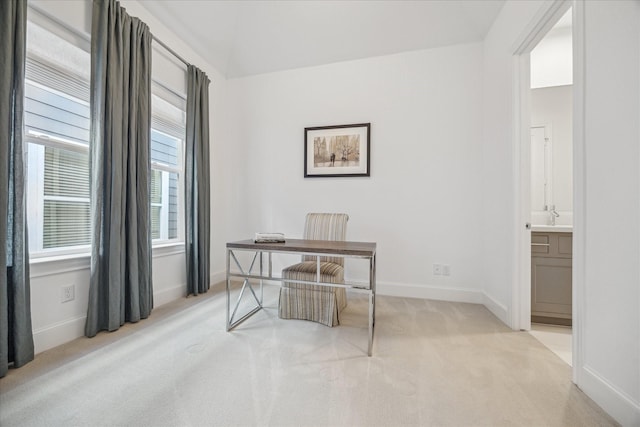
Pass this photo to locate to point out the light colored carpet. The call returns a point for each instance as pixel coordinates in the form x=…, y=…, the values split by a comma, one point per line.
x=434, y=363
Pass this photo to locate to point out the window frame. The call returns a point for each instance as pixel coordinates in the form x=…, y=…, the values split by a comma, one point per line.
x=157, y=89
x=36, y=197
x=45, y=256
x=36, y=158
x=164, y=204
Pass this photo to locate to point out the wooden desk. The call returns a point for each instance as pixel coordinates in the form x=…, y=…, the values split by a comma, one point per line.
x=317, y=248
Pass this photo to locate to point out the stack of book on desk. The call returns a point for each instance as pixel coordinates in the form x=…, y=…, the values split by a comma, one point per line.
x=269, y=238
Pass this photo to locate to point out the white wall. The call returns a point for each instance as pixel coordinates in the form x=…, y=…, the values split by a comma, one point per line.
x=55, y=323
x=611, y=360
x=552, y=60
x=610, y=370
x=422, y=200
x=554, y=106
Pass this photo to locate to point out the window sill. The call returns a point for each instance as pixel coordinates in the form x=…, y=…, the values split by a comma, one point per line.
x=57, y=264
x=167, y=248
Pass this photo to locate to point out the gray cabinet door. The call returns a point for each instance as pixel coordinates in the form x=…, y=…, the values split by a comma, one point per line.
x=551, y=287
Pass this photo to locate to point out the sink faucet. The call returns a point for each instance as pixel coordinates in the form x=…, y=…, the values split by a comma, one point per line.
x=553, y=214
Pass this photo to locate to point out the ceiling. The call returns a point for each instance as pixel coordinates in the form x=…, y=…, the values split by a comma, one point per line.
x=242, y=38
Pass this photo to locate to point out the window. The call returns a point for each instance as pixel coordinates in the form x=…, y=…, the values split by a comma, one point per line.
x=57, y=127
x=168, y=118
x=57, y=132
x=167, y=141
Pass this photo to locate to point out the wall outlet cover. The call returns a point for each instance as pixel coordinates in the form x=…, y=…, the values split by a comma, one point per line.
x=437, y=269
x=68, y=293
x=446, y=270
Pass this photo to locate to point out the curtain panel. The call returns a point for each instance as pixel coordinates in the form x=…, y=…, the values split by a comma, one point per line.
x=197, y=187
x=16, y=336
x=121, y=287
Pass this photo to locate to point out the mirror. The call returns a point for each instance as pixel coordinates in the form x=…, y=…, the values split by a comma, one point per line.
x=541, y=176
x=551, y=154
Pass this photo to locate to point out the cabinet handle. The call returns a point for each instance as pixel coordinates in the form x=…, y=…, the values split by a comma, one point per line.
x=540, y=244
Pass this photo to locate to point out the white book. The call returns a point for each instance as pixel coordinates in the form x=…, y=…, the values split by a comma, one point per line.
x=262, y=237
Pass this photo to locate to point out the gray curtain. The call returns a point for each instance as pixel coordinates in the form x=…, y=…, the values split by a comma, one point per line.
x=197, y=212
x=16, y=337
x=121, y=288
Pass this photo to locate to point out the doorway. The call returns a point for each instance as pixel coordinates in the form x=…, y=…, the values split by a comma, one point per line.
x=551, y=146
x=545, y=195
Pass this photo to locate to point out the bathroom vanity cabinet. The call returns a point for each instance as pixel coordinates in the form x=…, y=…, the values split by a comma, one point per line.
x=551, y=255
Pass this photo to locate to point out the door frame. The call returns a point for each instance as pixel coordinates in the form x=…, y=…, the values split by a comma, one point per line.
x=546, y=18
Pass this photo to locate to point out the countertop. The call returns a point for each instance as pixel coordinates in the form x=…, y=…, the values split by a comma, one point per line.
x=553, y=228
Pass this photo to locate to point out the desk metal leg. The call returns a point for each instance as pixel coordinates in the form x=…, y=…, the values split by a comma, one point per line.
x=228, y=290
x=374, y=290
x=372, y=302
x=246, y=284
x=261, y=281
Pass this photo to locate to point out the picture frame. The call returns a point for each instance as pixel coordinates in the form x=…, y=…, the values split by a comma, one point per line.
x=337, y=151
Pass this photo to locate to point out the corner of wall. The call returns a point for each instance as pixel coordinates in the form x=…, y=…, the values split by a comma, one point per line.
x=498, y=310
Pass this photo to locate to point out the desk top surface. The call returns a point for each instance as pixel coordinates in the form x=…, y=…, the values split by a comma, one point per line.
x=315, y=246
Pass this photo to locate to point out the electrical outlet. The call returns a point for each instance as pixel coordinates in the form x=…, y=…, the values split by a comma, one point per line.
x=437, y=269
x=446, y=270
x=68, y=293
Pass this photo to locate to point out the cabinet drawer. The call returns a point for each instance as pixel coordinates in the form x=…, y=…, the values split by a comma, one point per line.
x=555, y=245
x=539, y=243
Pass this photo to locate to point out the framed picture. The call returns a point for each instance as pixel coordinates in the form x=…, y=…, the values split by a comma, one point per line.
x=342, y=150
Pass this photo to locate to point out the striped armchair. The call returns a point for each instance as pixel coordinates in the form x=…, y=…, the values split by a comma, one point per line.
x=311, y=302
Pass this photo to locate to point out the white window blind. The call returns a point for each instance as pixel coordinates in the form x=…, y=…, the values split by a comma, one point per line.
x=66, y=211
x=168, y=120
x=57, y=131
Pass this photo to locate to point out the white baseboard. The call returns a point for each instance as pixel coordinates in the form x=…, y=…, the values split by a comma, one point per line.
x=473, y=296
x=68, y=330
x=180, y=291
x=217, y=277
x=498, y=310
x=415, y=291
x=613, y=401
x=429, y=292
x=423, y=291
x=167, y=295
x=58, y=333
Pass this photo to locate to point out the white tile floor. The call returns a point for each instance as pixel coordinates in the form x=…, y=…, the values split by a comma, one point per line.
x=555, y=338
